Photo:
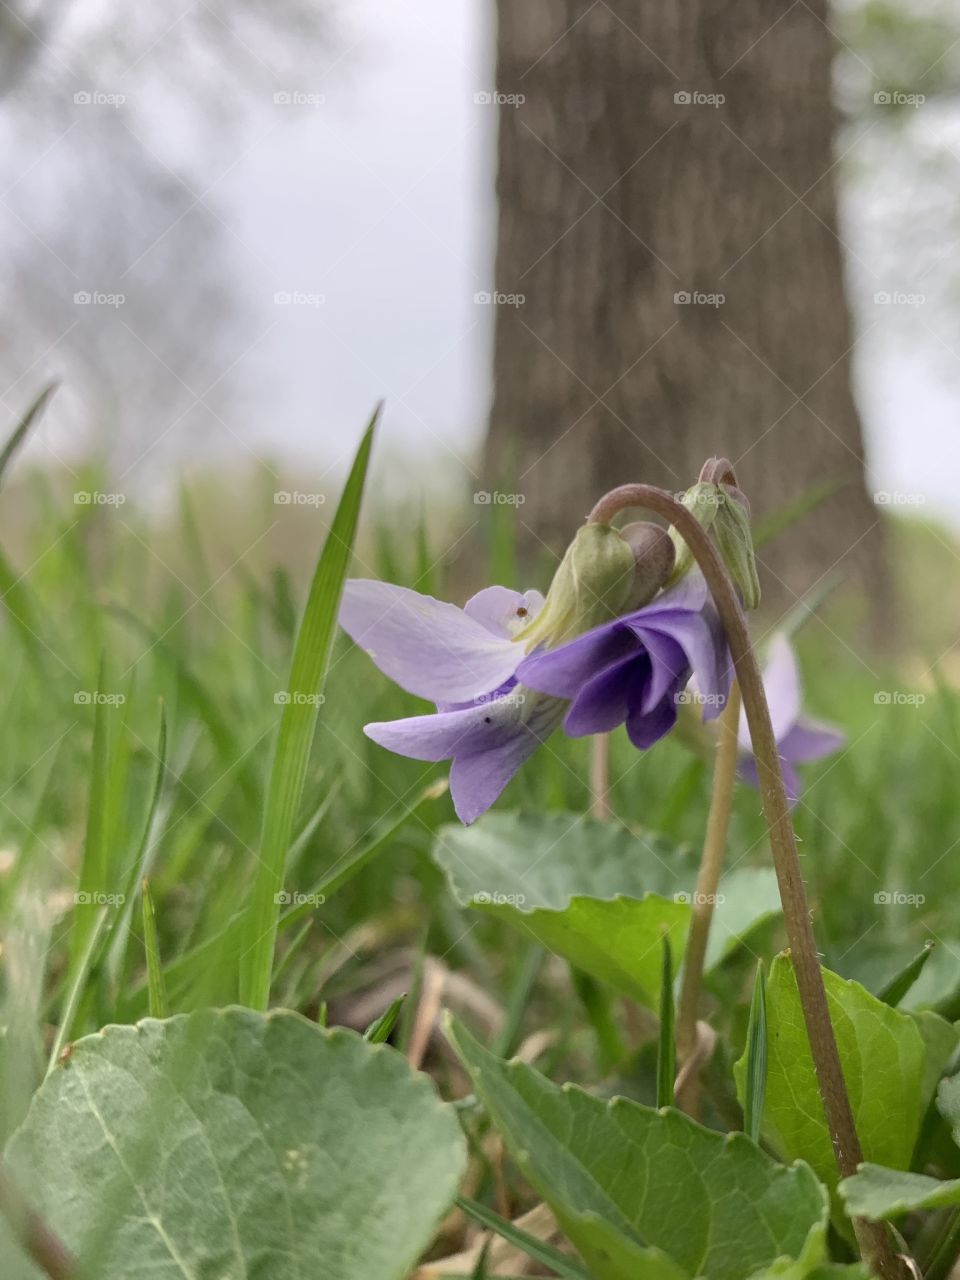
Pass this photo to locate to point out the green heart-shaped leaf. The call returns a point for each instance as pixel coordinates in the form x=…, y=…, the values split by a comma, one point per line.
x=881, y=1194
x=228, y=1143
x=884, y=1060
x=647, y=1192
x=595, y=893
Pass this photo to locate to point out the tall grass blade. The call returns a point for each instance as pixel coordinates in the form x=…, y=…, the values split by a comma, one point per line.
x=311, y=657
x=19, y=433
x=900, y=984
x=756, y=1074
x=159, y=1008
x=559, y=1263
x=667, y=1044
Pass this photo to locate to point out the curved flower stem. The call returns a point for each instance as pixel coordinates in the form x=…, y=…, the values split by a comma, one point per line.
x=708, y=881
x=872, y=1237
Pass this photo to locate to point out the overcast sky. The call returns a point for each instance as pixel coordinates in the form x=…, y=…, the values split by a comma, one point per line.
x=368, y=200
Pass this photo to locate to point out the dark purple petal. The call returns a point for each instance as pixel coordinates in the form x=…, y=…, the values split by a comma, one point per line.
x=669, y=667
x=646, y=728
x=705, y=650
x=428, y=647
x=563, y=671
x=608, y=697
x=487, y=743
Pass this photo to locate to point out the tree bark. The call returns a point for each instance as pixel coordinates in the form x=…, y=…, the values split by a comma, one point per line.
x=664, y=150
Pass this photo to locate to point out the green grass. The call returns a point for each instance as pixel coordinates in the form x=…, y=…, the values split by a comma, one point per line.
x=143, y=651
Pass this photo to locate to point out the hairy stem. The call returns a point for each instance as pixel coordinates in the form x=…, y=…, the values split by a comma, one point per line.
x=708, y=877
x=872, y=1237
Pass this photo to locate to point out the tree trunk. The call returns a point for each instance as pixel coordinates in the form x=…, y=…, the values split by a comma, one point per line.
x=663, y=152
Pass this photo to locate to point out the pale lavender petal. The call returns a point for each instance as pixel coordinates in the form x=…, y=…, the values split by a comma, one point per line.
x=791, y=779
x=689, y=593
x=428, y=647
x=487, y=743
x=781, y=683
x=605, y=701
x=564, y=670
x=502, y=611
x=810, y=740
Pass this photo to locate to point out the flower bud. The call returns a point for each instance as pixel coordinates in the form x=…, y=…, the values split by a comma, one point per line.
x=719, y=506
x=654, y=554
x=702, y=500
x=732, y=532
x=593, y=584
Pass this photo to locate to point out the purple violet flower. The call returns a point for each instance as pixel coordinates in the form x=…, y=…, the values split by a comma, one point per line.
x=633, y=670
x=496, y=705
x=800, y=739
x=464, y=660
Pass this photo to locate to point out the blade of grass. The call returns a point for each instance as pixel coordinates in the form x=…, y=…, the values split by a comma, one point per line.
x=413, y=996
x=901, y=982
x=598, y=1007
x=19, y=433
x=340, y=873
x=311, y=657
x=559, y=1263
x=94, y=859
x=509, y=1038
x=75, y=990
x=139, y=868
x=667, y=1044
x=756, y=1074
x=379, y=1030
x=151, y=945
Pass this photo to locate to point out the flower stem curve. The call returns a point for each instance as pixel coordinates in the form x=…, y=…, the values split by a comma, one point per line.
x=872, y=1237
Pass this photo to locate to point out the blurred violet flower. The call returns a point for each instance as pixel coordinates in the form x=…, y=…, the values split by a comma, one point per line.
x=496, y=705
x=800, y=739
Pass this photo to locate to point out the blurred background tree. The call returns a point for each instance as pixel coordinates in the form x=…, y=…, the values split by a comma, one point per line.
x=116, y=120
x=668, y=212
